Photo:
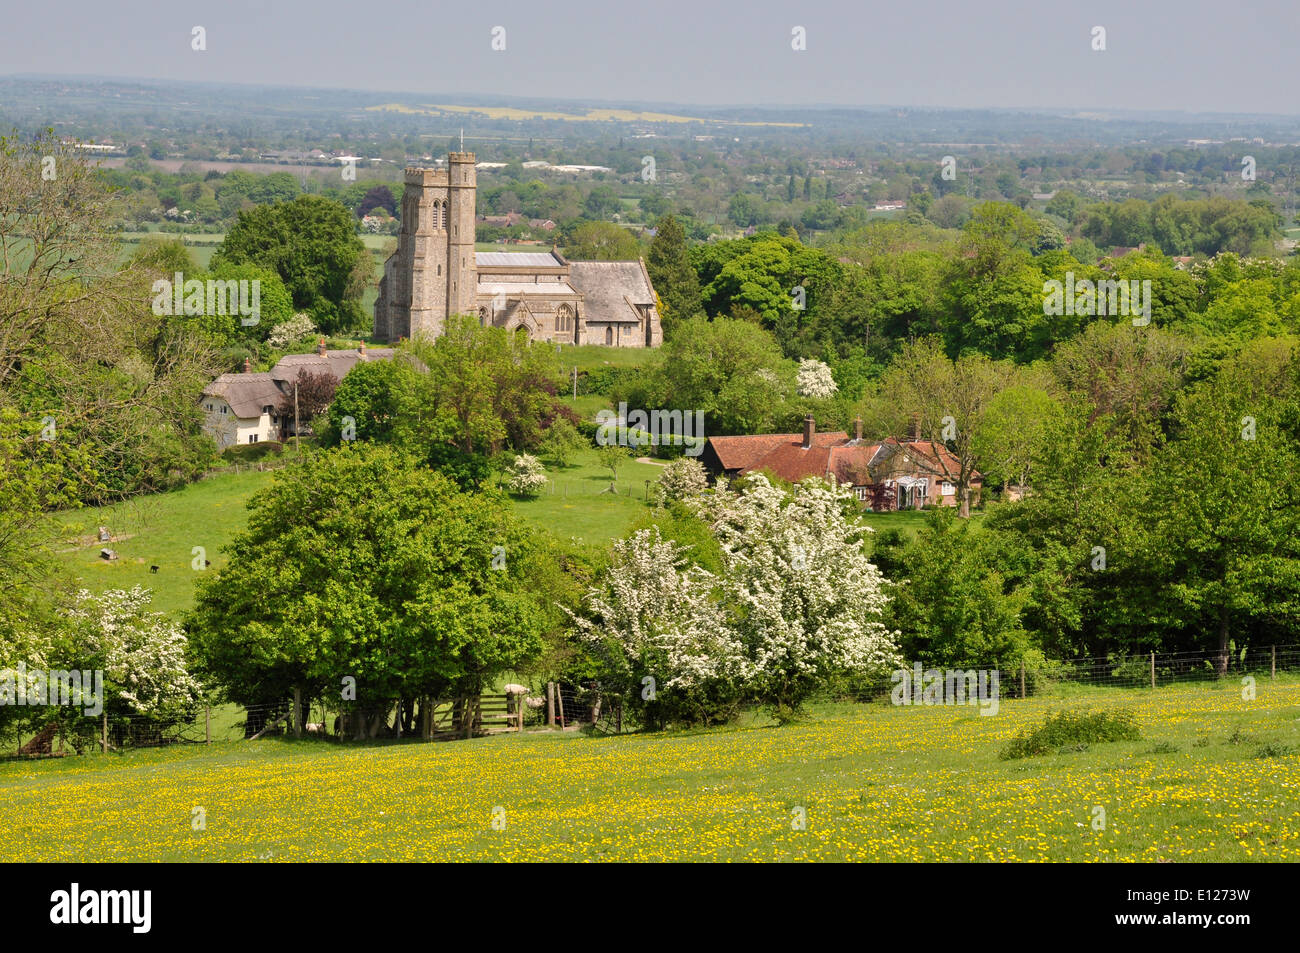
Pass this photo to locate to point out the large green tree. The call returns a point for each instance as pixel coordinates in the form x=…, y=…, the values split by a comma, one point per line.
x=312, y=244
x=360, y=563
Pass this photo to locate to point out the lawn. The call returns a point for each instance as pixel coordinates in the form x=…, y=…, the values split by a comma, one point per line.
x=872, y=782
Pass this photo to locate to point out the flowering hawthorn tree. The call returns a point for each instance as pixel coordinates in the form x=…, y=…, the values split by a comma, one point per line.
x=141, y=652
x=815, y=379
x=526, y=476
x=651, y=618
x=682, y=479
x=801, y=595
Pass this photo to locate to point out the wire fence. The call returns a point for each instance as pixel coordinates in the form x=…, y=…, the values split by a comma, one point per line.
x=569, y=706
x=1148, y=670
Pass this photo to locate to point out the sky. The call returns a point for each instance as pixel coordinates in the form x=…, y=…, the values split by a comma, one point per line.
x=1188, y=55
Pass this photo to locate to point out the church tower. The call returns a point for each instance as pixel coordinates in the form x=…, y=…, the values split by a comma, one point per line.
x=433, y=273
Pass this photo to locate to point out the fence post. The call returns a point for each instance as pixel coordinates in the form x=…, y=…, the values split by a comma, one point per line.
x=1153, y=669
x=550, y=704
x=1273, y=672
x=207, y=724
x=103, y=732
x=1022, y=678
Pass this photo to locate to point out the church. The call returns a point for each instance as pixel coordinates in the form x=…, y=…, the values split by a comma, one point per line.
x=436, y=272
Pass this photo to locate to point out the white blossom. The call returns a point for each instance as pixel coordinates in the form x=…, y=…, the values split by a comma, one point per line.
x=815, y=379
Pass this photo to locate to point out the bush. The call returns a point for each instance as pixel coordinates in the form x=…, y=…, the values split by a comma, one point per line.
x=1067, y=728
x=526, y=475
x=252, y=452
x=682, y=479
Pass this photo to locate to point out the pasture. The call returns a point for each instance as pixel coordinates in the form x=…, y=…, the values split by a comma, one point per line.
x=873, y=782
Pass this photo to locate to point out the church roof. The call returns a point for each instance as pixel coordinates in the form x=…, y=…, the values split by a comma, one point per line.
x=543, y=289
x=612, y=289
x=516, y=259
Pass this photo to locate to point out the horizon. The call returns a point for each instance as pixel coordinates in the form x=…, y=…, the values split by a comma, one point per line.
x=966, y=59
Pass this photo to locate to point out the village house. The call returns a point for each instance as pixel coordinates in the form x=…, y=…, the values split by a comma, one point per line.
x=889, y=474
x=244, y=408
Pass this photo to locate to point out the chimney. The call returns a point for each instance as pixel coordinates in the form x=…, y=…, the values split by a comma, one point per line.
x=248, y=367
x=857, y=429
x=320, y=348
x=809, y=428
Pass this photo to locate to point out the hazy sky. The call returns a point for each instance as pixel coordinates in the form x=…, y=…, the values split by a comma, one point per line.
x=1194, y=55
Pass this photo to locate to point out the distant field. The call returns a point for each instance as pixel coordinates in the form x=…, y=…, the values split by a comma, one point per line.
x=1212, y=780
x=591, y=115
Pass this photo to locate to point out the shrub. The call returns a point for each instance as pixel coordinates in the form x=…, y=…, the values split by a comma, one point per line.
x=1272, y=749
x=682, y=479
x=292, y=331
x=526, y=475
x=252, y=452
x=1065, y=729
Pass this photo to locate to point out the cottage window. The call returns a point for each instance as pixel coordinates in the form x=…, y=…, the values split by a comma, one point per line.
x=949, y=489
x=252, y=438
x=861, y=492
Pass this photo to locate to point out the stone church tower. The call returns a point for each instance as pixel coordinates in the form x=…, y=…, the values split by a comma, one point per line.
x=433, y=274
x=436, y=273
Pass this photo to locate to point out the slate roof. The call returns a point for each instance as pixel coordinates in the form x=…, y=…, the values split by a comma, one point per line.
x=517, y=259
x=612, y=289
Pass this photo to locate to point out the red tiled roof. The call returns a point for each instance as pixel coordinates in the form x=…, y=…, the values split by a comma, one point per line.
x=782, y=453
x=832, y=454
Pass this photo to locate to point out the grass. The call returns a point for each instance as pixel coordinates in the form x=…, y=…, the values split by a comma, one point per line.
x=163, y=530
x=908, y=522
x=875, y=782
x=160, y=531
x=575, y=503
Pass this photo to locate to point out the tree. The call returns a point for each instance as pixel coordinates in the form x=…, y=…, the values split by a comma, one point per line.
x=561, y=442
x=660, y=640
x=674, y=278
x=478, y=387
x=611, y=456
x=1013, y=429
x=602, y=241
x=731, y=370
x=312, y=244
x=801, y=594
x=682, y=479
x=308, y=397
x=816, y=380
x=359, y=563
x=526, y=476
x=948, y=400
x=954, y=608
x=602, y=202
x=1225, y=539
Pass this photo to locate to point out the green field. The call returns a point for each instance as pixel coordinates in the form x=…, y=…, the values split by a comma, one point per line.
x=870, y=781
x=160, y=531
x=163, y=530
x=576, y=502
